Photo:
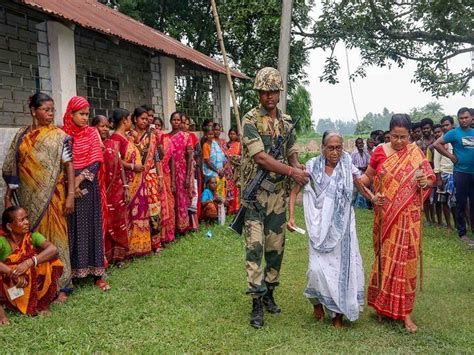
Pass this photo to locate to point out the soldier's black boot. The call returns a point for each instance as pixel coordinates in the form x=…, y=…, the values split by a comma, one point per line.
x=256, y=318
x=269, y=302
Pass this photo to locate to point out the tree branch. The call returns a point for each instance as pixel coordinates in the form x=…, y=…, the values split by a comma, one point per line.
x=433, y=59
x=304, y=34
x=418, y=35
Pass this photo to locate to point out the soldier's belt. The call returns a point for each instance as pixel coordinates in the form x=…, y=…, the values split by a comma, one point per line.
x=272, y=186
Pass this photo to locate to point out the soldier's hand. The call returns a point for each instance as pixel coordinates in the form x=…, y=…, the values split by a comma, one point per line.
x=291, y=224
x=301, y=177
x=301, y=166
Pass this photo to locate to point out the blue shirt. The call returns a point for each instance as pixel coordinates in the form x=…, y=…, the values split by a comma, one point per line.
x=462, y=141
x=207, y=196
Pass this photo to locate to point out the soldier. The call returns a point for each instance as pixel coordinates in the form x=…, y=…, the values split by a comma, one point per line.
x=264, y=227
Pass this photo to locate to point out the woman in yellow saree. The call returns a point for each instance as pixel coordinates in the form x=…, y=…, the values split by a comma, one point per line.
x=402, y=178
x=34, y=171
x=29, y=267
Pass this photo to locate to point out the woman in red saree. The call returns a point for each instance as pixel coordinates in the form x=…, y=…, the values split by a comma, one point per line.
x=167, y=196
x=195, y=207
x=29, y=266
x=139, y=238
x=183, y=161
x=116, y=236
x=147, y=143
x=233, y=152
x=402, y=178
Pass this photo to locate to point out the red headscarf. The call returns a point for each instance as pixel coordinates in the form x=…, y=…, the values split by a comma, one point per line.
x=86, y=148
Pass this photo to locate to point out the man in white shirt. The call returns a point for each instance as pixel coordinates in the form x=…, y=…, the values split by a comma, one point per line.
x=443, y=168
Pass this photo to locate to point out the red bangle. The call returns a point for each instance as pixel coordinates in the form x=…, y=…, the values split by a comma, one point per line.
x=290, y=171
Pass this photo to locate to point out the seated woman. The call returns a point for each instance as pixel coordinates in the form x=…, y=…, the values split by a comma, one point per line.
x=210, y=201
x=335, y=272
x=29, y=266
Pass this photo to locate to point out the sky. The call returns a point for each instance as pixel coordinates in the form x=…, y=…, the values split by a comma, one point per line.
x=382, y=87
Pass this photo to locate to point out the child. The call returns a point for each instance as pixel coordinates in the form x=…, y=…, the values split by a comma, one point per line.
x=210, y=201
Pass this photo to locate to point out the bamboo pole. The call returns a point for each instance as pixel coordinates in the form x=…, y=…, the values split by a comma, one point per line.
x=284, y=50
x=227, y=68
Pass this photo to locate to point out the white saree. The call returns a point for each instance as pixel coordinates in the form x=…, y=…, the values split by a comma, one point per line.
x=335, y=272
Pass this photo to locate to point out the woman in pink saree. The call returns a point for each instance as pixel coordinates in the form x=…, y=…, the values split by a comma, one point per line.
x=183, y=160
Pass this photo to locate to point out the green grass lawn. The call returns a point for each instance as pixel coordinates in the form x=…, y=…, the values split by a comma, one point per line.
x=191, y=299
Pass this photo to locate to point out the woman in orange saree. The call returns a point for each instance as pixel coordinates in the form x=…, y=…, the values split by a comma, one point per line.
x=402, y=178
x=29, y=266
x=35, y=170
x=147, y=143
x=167, y=196
x=139, y=242
x=233, y=152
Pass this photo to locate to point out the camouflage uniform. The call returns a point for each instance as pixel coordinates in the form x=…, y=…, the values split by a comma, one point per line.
x=264, y=228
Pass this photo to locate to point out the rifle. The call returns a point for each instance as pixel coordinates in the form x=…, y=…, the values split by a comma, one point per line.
x=249, y=194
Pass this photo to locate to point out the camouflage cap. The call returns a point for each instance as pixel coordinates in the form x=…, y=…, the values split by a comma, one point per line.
x=268, y=79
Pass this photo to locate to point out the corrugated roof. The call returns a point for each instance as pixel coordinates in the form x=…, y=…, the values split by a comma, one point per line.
x=100, y=18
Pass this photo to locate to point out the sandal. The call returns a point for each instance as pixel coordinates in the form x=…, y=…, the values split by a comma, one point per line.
x=103, y=285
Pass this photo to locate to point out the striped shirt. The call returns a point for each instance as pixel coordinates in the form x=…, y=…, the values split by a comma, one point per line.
x=361, y=161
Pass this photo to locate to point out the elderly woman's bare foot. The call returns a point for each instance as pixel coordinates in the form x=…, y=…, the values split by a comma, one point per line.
x=3, y=317
x=337, y=321
x=409, y=325
x=318, y=312
x=62, y=297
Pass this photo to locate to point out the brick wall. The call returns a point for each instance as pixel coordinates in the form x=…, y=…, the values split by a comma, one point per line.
x=111, y=75
x=19, y=75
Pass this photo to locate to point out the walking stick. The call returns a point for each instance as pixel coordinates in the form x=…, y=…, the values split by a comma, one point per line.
x=420, y=167
x=379, y=244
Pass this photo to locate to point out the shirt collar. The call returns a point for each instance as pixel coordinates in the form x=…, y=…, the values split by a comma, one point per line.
x=264, y=111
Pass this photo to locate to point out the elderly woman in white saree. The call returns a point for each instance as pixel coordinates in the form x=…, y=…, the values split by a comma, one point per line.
x=335, y=272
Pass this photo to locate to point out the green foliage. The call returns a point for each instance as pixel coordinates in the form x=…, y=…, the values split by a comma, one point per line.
x=299, y=106
x=373, y=121
x=387, y=32
x=343, y=127
x=304, y=157
x=431, y=110
x=251, y=33
x=191, y=299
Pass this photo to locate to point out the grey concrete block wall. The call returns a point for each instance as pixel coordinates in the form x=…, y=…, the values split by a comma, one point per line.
x=112, y=75
x=19, y=74
x=6, y=136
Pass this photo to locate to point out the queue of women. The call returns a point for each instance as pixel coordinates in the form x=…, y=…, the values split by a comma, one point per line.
x=80, y=199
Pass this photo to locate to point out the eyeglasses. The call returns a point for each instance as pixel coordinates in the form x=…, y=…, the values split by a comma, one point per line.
x=332, y=148
x=399, y=138
x=47, y=109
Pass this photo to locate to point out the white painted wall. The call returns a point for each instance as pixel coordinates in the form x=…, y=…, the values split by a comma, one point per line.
x=62, y=58
x=168, y=72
